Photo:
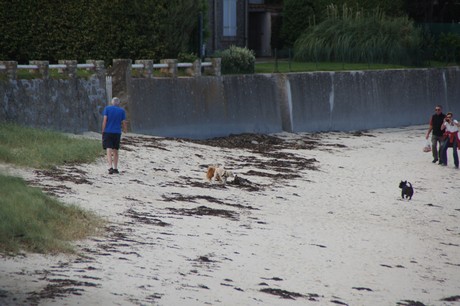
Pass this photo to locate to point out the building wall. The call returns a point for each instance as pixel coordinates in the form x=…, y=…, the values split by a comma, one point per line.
x=217, y=41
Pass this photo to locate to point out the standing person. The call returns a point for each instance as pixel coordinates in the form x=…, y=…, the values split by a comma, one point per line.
x=114, y=118
x=450, y=126
x=436, y=122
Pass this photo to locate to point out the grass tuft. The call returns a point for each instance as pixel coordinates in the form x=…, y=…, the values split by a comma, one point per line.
x=37, y=148
x=29, y=219
x=33, y=221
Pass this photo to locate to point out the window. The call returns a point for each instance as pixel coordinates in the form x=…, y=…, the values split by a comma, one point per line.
x=230, y=17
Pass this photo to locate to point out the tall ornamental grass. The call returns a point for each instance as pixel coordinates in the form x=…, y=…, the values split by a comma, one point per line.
x=348, y=35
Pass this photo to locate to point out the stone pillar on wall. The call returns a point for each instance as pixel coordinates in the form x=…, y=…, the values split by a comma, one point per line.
x=195, y=70
x=171, y=71
x=99, y=67
x=95, y=120
x=147, y=71
x=215, y=69
x=10, y=69
x=43, y=68
x=121, y=83
x=71, y=68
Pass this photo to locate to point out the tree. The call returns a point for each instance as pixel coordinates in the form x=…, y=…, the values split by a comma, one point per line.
x=445, y=11
x=297, y=15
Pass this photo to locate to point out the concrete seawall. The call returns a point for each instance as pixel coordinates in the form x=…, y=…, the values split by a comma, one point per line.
x=298, y=102
x=213, y=106
x=205, y=107
x=372, y=99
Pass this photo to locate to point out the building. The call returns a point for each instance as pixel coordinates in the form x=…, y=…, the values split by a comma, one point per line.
x=243, y=23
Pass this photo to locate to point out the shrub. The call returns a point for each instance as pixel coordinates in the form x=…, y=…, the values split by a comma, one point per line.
x=184, y=57
x=237, y=60
x=448, y=47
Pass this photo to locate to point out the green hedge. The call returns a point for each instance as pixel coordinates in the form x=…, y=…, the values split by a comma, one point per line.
x=97, y=29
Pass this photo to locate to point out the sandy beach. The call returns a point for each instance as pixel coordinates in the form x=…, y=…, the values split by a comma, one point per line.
x=311, y=219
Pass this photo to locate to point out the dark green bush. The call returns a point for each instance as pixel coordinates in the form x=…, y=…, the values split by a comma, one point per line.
x=237, y=60
x=448, y=48
x=184, y=57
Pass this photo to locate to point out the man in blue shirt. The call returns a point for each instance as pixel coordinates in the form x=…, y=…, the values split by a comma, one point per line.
x=114, y=120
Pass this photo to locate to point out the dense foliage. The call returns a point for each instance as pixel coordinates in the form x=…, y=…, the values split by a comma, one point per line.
x=236, y=60
x=297, y=15
x=448, y=49
x=349, y=35
x=97, y=29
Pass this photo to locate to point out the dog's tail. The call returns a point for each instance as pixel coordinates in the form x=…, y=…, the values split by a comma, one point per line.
x=409, y=184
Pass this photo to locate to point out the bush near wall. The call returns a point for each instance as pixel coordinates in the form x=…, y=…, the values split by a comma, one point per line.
x=448, y=48
x=237, y=60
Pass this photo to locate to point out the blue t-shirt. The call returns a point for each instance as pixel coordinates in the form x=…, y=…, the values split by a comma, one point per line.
x=115, y=115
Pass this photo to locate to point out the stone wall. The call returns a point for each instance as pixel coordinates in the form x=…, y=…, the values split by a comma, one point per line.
x=212, y=106
x=68, y=104
x=73, y=105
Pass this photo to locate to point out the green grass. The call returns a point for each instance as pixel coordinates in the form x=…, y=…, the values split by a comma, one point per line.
x=37, y=148
x=32, y=221
x=284, y=66
x=29, y=219
x=53, y=74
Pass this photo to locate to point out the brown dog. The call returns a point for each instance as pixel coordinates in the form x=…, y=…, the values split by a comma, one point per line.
x=218, y=174
x=210, y=173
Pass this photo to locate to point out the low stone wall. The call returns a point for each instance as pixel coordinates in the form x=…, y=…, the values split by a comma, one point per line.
x=70, y=105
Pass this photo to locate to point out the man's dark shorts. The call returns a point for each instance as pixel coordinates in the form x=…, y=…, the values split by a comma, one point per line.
x=111, y=141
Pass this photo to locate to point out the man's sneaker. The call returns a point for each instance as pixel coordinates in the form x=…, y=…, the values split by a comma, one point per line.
x=434, y=161
x=115, y=171
x=111, y=171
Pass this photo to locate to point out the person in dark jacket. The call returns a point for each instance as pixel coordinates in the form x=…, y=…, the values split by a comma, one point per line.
x=436, y=121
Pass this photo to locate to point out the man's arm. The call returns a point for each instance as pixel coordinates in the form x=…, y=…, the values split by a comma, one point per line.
x=104, y=123
x=125, y=126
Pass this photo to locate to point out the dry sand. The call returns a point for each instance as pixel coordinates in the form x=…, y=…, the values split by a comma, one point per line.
x=314, y=219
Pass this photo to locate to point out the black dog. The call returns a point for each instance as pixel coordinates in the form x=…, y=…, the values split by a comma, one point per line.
x=406, y=191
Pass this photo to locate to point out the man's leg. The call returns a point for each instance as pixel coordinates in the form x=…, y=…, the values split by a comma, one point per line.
x=109, y=157
x=115, y=159
x=454, y=147
x=444, y=146
x=434, y=148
